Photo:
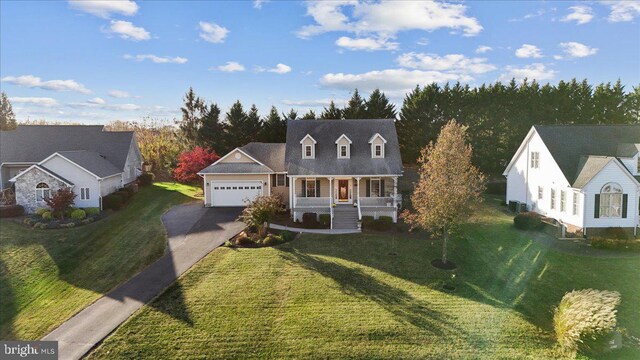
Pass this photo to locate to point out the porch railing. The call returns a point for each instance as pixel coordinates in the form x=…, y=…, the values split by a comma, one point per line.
x=312, y=201
x=376, y=201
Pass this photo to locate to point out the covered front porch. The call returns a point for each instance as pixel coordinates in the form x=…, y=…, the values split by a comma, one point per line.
x=368, y=196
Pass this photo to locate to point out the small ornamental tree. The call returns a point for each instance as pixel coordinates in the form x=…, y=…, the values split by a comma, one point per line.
x=450, y=187
x=191, y=162
x=261, y=211
x=61, y=201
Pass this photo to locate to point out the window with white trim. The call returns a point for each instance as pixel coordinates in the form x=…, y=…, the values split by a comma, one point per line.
x=535, y=160
x=378, y=151
x=308, y=151
x=611, y=201
x=563, y=200
x=311, y=187
x=42, y=192
x=576, y=202
x=553, y=199
x=281, y=179
x=540, y=192
x=375, y=189
x=343, y=151
x=84, y=194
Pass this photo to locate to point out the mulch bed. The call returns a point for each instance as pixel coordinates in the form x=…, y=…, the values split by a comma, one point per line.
x=250, y=239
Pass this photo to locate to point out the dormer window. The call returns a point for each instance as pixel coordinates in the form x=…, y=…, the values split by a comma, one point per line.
x=344, y=147
x=377, y=146
x=308, y=147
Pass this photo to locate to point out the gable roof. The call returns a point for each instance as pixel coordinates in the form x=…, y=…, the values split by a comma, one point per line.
x=34, y=143
x=628, y=150
x=236, y=168
x=270, y=154
x=327, y=163
x=92, y=162
x=568, y=144
x=42, y=168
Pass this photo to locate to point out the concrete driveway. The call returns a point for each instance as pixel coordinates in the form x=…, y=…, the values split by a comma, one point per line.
x=193, y=232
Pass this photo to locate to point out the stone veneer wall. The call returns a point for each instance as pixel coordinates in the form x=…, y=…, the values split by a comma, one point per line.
x=26, y=188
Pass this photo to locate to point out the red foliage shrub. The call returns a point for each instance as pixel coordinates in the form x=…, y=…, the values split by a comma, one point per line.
x=61, y=201
x=193, y=161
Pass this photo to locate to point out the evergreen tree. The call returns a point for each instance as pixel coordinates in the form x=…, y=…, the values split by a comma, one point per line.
x=356, y=108
x=7, y=117
x=211, y=133
x=609, y=103
x=311, y=115
x=192, y=113
x=378, y=106
x=632, y=106
x=331, y=113
x=254, y=124
x=274, y=128
x=292, y=115
x=236, y=122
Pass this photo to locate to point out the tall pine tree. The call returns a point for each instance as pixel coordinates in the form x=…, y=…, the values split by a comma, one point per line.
x=331, y=113
x=236, y=119
x=311, y=115
x=356, y=108
x=211, y=133
x=292, y=115
x=274, y=128
x=192, y=113
x=379, y=107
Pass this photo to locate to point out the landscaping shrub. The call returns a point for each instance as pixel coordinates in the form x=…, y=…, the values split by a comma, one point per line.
x=78, y=214
x=11, y=211
x=325, y=220
x=244, y=240
x=367, y=221
x=40, y=225
x=68, y=225
x=287, y=235
x=146, y=179
x=29, y=221
x=496, y=188
x=260, y=211
x=41, y=211
x=112, y=202
x=272, y=240
x=599, y=242
x=384, y=223
x=47, y=215
x=61, y=201
x=310, y=220
x=528, y=221
x=92, y=211
x=584, y=317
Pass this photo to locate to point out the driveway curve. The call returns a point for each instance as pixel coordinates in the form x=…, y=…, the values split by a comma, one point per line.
x=193, y=231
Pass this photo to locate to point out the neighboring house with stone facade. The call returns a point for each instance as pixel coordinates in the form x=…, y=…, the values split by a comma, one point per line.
x=585, y=176
x=37, y=160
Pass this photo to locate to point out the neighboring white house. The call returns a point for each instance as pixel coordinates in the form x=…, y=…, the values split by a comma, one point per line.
x=585, y=176
x=39, y=159
x=345, y=168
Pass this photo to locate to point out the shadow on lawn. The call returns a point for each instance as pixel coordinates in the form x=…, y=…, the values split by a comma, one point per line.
x=398, y=302
x=102, y=255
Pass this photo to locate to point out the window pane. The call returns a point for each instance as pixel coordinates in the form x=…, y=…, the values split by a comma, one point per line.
x=311, y=188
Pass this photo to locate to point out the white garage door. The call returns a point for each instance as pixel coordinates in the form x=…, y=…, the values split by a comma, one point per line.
x=234, y=193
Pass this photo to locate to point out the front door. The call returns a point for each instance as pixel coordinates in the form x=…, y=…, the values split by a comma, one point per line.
x=343, y=190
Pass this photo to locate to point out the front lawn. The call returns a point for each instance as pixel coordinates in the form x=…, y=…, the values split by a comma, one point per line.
x=46, y=276
x=374, y=296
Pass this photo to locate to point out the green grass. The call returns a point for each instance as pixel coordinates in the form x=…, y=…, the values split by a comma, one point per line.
x=46, y=276
x=347, y=297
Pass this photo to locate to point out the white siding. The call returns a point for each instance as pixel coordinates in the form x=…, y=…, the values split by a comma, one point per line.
x=80, y=179
x=109, y=185
x=611, y=173
x=134, y=162
x=631, y=164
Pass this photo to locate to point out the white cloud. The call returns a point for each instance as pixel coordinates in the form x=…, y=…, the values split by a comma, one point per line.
x=128, y=31
x=483, y=49
x=31, y=81
x=392, y=81
x=258, y=3
x=367, y=43
x=310, y=103
x=580, y=14
x=119, y=94
x=622, y=11
x=97, y=101
x=452, y=62
x=105, y=9
x=529, y=51
x=278, y=69
x=535, y=71
x=212, y=32
x=574, y=49
x=536, y=14
x=35, y=101
x=156, y=59
x=231, y=66
x=387, y=18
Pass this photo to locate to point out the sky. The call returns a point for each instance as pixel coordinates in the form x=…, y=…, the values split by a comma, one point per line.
x=97, y=61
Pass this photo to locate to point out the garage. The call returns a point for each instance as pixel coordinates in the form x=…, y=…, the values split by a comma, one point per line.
x=234, y=193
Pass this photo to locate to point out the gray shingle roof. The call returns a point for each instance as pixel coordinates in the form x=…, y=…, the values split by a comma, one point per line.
x=34, y=143
x=326, y=132
x=569, y=143
x=270, y=154
x=628, y=150
x=589, y=167
x=92, y=161
x=235, y=168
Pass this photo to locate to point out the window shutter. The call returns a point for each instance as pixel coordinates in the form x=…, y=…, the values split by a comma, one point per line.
x=382, y=187
x=304, y=188
x=317, y=187
x=368, y=186
x=625, y=202
x=596, y=207
x=287, y=180
x=273, y=180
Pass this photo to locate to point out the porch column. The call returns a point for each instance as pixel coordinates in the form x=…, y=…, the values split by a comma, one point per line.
x=358, y=186
x=290, y=197
x=395, y=199
x=330, y=191
x=293, y=191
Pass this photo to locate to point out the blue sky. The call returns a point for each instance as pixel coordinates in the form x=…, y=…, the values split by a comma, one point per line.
x=98, y=61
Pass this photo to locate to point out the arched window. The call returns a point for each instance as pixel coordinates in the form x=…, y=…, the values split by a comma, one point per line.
x=611, y=201
x=42, y=192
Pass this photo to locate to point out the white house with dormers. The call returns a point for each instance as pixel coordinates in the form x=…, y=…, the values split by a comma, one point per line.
x=584, y=176
x=345, y=168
